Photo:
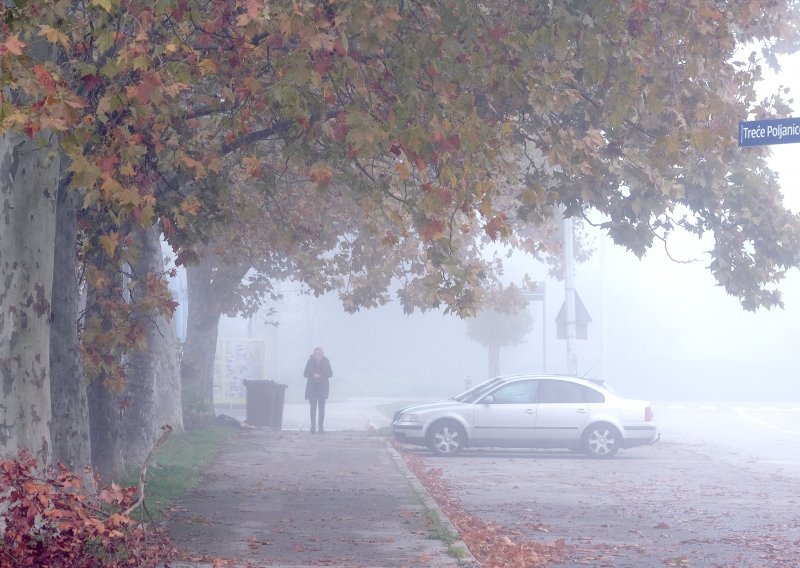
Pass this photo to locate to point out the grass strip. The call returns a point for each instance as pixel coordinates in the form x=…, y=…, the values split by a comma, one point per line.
x=177, y=469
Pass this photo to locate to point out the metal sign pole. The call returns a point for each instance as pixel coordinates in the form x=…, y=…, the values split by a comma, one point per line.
x=569, y=292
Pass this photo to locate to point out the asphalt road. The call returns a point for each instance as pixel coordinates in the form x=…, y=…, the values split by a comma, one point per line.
x=721, y=489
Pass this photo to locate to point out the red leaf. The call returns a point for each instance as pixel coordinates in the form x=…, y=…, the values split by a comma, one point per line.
x=433, y=231
x=494, y=226
x=90, y=82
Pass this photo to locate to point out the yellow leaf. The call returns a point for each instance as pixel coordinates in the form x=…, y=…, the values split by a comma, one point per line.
x=215, y=165
x=207, y=66
x=128, y=196
x=105, y=39
x=84, y=174
x=147, y=215
x=109, y=243
x=54, y=36
x=110, y=186
x=191, y=206
x=174, y=89
x=107, y=5
x=402, y=170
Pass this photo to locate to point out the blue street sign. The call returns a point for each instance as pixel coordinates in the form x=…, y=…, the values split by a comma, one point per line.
x=766, y=132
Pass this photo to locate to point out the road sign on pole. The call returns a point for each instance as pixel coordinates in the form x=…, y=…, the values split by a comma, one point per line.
x=768, y=132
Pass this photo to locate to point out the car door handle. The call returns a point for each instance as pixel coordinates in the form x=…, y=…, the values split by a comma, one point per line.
x=530, y=411
x=581, y=411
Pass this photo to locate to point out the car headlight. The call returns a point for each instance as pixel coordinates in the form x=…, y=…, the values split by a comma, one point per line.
x=409, y=418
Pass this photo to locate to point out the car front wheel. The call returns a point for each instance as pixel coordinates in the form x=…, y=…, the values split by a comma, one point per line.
x=601, y=441
x=446, y=438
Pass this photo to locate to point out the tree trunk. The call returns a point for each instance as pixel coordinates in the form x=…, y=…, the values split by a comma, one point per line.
x=152, y=371
x=494, y=360
x=70, y=405
x=165, y=350
x=212, y=289
x=106, y=431
x=105, y=415
x=197, y=364
x=28, y=182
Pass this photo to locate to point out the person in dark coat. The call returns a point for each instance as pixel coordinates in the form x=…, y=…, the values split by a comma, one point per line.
x=317, y=373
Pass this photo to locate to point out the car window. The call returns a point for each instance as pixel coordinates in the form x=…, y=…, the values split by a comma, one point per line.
x=562, y=392
x=518, y=392
x=593, y=395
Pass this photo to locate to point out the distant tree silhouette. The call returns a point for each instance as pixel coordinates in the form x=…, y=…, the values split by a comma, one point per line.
x=496, y=329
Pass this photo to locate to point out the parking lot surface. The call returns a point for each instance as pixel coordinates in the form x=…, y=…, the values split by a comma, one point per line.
x=672, y=504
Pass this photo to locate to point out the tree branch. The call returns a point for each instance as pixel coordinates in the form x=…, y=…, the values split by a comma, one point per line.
x=167, y=430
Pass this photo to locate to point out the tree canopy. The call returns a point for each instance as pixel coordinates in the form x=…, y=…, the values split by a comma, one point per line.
x=372, y=147
x=447, y=123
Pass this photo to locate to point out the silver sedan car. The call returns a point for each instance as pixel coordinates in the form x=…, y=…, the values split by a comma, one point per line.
x=530, y=411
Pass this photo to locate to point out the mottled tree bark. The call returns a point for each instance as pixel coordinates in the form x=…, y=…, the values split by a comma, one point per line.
x=106, y=431
x=197, y=364
x=70, y=431
x=165, y=349
x=211, y=284
x=28, y=181
x=105, y=414
x=152, y=371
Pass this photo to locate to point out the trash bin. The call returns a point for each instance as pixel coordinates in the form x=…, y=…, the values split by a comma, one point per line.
x=259, y=402
x=279, y=393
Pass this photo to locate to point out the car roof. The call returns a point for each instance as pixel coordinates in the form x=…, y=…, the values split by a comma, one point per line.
x=572, y=378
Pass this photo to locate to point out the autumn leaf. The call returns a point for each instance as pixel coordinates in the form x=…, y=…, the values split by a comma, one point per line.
x=12, y=45
x=320, y=173
x=53, y=123
x=252, y=164
x=128, y=196
x=45, y=79
x=207, y=66
x=433, y=231
x=109, y=6
x=54, y=36
x=109, y=243
x=148, y=89
x=191, y=206
x=495, y=226
x=198, y=168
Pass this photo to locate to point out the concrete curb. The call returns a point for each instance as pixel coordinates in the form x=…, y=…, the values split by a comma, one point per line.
x=468, y=560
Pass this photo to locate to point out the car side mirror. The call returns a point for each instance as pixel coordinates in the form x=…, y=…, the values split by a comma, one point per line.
x=488, y=399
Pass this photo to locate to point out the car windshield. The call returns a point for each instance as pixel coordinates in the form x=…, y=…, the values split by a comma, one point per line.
x=477, y=391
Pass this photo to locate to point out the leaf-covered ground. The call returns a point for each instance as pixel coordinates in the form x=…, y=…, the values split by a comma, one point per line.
x=491, y=544
x=667, y=505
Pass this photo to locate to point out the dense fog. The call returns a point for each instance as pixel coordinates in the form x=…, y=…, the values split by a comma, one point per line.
x=660, y=329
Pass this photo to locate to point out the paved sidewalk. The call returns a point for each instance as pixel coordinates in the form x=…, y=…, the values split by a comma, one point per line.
x=295, y=499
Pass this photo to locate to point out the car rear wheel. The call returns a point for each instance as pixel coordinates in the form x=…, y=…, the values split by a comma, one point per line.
x=601, y=441
x=446, y=438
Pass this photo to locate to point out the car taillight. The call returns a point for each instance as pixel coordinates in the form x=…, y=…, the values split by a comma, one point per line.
x=648, y=414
